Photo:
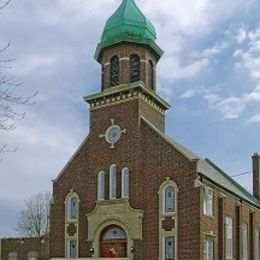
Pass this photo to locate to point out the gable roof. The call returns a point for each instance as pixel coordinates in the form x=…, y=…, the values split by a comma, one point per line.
x=212, y=172
x=209, y=170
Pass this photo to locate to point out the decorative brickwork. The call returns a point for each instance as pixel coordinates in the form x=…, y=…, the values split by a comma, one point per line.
x=71, y=229
x=168, y=224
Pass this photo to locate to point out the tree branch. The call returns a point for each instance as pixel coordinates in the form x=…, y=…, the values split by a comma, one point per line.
x=5, y=4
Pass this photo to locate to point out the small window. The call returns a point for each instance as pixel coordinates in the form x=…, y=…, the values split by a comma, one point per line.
x=32, y=255
x=208, y=201
x=151, y=75
x=112, y=182
x=208, y=251
x=72, y=248
x=125, y=183
x=257, y=244
x=101, y=186
x=169, y=199
x=114, y=71
x=134, y=68
x=229, y=238
x=244, y=241
x=169, y=246
x=12, y=256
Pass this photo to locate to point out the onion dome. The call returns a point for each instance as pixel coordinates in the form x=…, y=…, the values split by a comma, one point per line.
x=128, y=24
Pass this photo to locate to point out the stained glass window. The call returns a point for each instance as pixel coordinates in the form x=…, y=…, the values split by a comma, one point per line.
x=125, y=183
x=72, y=248
x=101, y=186
x=73, y=208
x=150, y=75
x=169, y=199
x=134, y=68
x=114, y=233
x=114, y=71
x=112, y=182
x=169, y=248
x=102, y=77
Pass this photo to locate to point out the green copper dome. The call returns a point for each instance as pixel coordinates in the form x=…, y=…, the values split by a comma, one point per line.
x=128, y=24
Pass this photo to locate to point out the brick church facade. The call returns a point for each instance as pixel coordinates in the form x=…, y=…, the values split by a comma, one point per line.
x=130, y=191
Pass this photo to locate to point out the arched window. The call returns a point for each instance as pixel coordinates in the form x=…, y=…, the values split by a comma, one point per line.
x=114, y=71
x=113, y=242
x=101, y=186
x=169, y=199
x=168, y=208
x=125, y=183
x=150, y=75
x=102, y=77
x=72, y=208
x=112, y=182
x=134, y=68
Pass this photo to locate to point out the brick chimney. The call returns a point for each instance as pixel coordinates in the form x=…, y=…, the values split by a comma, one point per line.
x=256, y=175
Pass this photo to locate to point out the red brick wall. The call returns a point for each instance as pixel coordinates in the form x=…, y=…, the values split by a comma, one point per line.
x=150, y=159
x=23, y=245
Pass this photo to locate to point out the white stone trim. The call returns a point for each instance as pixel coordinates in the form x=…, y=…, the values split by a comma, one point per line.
x=68, y=222
x=162, y=215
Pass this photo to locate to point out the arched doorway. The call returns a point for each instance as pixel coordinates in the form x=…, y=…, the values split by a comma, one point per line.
x=113, y=242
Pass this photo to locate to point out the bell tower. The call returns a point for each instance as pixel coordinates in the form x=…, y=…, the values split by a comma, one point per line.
x=128, y=55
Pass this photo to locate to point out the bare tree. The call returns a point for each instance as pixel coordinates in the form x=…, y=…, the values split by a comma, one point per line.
x=10, y=98
x=4, y=3
x=34, y=218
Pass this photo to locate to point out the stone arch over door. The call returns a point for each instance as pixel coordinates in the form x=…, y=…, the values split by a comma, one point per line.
x=97, y=243
x=113, y=242
x=119, y=213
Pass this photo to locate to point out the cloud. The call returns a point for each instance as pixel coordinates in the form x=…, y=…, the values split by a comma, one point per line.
x=254, y=119
x=44, y=63
x=188, y=94
x=248, y=57
x=232, y=107
x=241, y=35
x=212, y=51
x=172, y=70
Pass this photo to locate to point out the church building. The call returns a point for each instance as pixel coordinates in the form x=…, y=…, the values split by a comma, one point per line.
x=130, y=191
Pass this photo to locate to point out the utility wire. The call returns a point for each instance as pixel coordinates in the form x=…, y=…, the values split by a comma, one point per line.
x=241, y=174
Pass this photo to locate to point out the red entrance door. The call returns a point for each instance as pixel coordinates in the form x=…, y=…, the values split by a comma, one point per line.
x=113, y=242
